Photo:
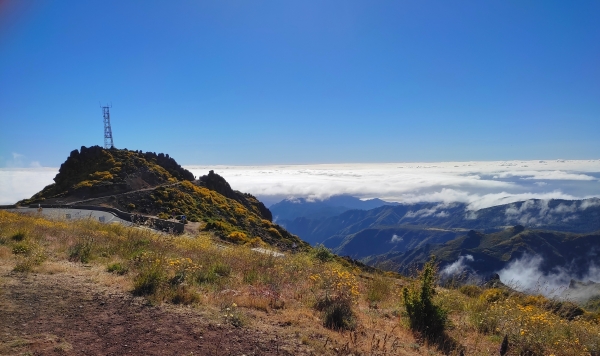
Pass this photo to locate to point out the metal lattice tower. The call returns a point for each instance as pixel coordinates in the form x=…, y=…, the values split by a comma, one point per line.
x=108, y=139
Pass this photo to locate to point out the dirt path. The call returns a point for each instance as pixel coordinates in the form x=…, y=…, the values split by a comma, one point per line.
x=52, y=314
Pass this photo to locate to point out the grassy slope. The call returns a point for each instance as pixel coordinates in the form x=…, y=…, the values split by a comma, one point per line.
x=250, y=290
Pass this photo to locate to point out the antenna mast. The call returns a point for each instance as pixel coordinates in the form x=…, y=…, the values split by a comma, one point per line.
x=108, y=139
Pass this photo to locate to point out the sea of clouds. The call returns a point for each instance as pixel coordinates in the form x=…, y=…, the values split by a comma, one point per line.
x=479, y=184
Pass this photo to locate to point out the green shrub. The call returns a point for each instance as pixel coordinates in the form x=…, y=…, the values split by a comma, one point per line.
x=149, y=280
x=19, y=236
x=337, y=313
x=82, y=251
x=322, y=253
x=251, y=276
x=21, y=248
x=425, y=316
x=28, y=256
x=221, y=269
x=117, y=268
x=184, y=295
x=206, y=276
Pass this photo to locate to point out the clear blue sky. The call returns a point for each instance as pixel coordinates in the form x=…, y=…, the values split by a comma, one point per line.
x=262, y=82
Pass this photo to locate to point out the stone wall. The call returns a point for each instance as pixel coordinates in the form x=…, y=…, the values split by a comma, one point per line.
x=158, y=224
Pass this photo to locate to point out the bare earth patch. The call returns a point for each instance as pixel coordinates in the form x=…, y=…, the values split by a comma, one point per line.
x=72, y=314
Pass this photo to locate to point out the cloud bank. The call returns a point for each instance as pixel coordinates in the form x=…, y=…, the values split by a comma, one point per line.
x=457, y=267
x=21, y=183
x=525, y=274
x=479, y=184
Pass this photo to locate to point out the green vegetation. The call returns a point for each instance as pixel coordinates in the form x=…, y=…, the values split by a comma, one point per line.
x=355, y=311
x=117, y=268
x=225, y=217
x=423, y=314
x=82, y=250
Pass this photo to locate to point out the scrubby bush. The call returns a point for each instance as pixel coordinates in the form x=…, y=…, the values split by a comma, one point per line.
x=425, y=316
x=492, y=295
x=221, y=269
x=82, y=251
x=117, y=268
x=337, y=290
x=184, y=295
x=338, y=315
x=149, y=279
x=19, y=235
x=21, y=248
x=322, y=253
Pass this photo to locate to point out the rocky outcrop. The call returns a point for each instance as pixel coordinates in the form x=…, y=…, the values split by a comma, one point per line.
x=218, y=184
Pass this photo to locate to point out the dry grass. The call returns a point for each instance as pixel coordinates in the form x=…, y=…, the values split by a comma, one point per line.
x=235, y=285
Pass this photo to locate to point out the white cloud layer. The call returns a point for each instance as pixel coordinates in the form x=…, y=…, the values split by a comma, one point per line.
x=525, y=274
x=458, y=267
x=21, y=183
x=480, y=184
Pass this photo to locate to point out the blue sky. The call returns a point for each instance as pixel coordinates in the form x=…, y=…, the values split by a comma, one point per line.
x=282, y=82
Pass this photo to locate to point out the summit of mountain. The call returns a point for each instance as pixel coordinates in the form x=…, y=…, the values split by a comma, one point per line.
x=156, y=185
x=95, y=171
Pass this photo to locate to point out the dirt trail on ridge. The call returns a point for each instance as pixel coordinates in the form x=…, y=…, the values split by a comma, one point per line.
x=54, y=314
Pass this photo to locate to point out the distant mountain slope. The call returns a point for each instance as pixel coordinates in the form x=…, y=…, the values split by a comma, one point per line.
x=492, y=252
x=561, y=215
x=290, y=209
x=156, y=185
x=376, y=241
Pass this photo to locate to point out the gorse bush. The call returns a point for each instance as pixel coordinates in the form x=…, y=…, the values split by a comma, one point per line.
x=424, y=316
x=337, y=290
x=534, y=330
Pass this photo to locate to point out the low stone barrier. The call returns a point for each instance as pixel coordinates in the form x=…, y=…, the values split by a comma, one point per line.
x=155, y=223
